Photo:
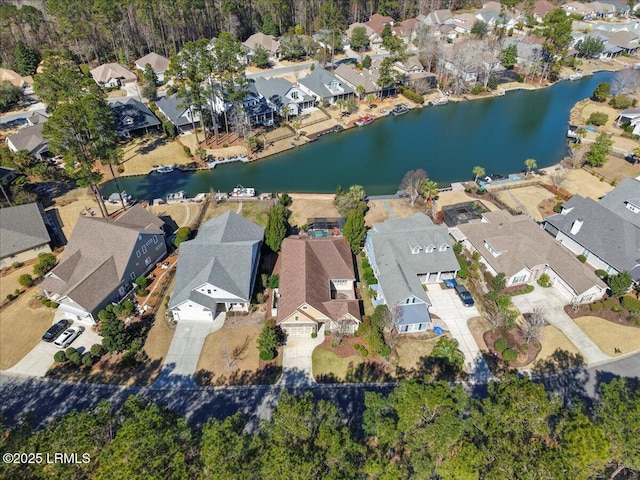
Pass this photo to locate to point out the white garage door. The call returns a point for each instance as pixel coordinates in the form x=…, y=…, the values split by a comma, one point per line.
x=299, y=331
x=563, y=289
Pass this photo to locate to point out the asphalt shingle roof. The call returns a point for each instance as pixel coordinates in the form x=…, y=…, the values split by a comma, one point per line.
x=318, y=80
x=21, y=229
x=136, y=111
x=616, y=200
x=170, y=107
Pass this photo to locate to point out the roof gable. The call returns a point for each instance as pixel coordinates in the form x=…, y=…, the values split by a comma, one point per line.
x=21, y=228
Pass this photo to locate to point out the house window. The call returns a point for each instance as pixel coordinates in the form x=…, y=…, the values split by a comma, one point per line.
x=519, y=279
x=132, y=275
x=209, y=291
x=295, y=95
x=155, y=239
x=443, y=248
x=492, y=251
x=403, y=328
x=138, y=253
x=304, y=308
x=430, y=249
x=415, y=250
x=586, y=253
x=633, y=207
x=296, y=318
x=144, y=249
x=414, y=327
x=147, y=261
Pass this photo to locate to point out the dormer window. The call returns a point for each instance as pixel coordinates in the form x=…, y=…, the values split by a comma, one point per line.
x=634, y=208
x=492, y=250
x=415, y=250
x=128, y=121
x=430, y=248
x=443, y=247
x=565, y=211
x=294, y=95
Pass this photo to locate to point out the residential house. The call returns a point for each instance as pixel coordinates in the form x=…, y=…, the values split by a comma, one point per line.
x=406, y=254
x=282, y=96
x=540, y=9
x=256, y=108
x=159, y=64
x=377, y=22
x=102, y=260
x=217, y=270
x=113, y=75
x=317, y=280
x=603, y=9
x=406, y=30
x=606, y=233
x=414, y=75
x=23, y=234
x=354, y=77
x=625, y=40
x=17, y=80
x=579, y=8
x=133, y=118
x=630, y=116
x=31, y=140
x=35, y=118
x=439, y=17
x=268, y=42
x=375, y=40
x=492, y=6
x=518, y=247
x=464, y=22
x=325, y=86
x=7, y=175
x=490, y=17
x=183, y=117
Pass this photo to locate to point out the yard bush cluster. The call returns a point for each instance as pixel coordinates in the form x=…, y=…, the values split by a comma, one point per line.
x=46, y=261
x=500, y=345
x=26, y=280
x=268, y=341
x=522, y=291
x=509, y=355
x=463, y=273
x=620, y=102
x=375, y=337
x=582, y=258
x=631, y=304
x=412, y=95
x=544, y=280
x=48, y=303
x=598, y=119
x=362, y=349
x=76, y=358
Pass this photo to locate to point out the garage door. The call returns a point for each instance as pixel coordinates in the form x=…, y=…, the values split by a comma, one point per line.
x=299, y=331
x=562, y=288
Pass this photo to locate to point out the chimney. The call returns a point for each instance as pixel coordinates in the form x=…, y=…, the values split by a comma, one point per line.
x=577, y=225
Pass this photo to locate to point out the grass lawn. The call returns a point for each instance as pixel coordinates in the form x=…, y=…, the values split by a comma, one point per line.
x=479, y=325
x=22, y=325
x=256, y=211
x=71, y=204
x=609, y=336
x=530, y=197
x=305, y=206
x=328, y=363
x=181, y=213
x=618, y=169
x=160, y=335
x=553, y=340
x=141, y=154
x=230, y=357
x=581, y=182
x=217, y=210
x=9, y=283
x=410, y=351
x=376, y=212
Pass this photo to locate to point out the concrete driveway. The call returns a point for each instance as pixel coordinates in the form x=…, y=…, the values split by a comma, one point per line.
x=447, y=306
x=297, y=366
x=40, y=358
x=182, y=358
x=553, y=304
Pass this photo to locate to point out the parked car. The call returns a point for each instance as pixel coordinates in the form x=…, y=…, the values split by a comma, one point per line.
x=56, y=329
x=464, y=295
x=68, y=336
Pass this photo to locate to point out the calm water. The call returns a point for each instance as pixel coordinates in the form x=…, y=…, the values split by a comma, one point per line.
x=447, y=141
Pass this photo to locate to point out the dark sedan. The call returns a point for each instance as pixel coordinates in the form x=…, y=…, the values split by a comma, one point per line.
x=55, y=330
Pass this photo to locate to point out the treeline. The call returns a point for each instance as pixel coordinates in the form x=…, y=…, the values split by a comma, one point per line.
x=420, y=430
x=121, y=30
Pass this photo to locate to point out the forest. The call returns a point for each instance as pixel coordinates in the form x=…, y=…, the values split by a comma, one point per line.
x=422, y=429
x=103, y=30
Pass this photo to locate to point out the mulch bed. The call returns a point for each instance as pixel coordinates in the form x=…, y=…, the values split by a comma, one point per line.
x=246, y=319
x=514, y=340
x=619, y=318
x=345, y=348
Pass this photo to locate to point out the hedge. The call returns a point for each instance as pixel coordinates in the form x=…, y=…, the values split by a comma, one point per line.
x=412, y=95
x=525, y=290
x=630, y=304
x=463, y=273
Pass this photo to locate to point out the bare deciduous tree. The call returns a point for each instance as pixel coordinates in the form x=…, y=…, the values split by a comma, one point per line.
x=411, y=183
x=625, y=82
x=558, y=177
x=237, y=354
x=532, y=325
x=342, y=328
x=495, y=320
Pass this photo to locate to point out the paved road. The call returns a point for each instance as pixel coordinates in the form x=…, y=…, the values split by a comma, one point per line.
x=48, y=399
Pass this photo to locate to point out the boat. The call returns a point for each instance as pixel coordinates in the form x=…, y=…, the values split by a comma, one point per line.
x=241, y=191
x=117, y=198
x=176, y=197
x=164, y=169
x=499, y=93
x=366, y=120
x=400, y=109
x=440, y=101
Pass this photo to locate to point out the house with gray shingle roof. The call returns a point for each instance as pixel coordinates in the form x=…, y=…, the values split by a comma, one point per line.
x=23, y=234
x=102, y=260
x=217, y=269
x=606, y=232
x=325, y=86
x=133, y=117
x=31, y=140
x=317, y=280
x=181, y=116
x=518, y=247
x=406, y=254
x=281, y=94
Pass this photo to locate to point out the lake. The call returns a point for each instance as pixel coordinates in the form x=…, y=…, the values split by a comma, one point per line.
x=447, y=141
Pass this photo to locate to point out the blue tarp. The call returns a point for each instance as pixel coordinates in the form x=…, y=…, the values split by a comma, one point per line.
x=438, y=330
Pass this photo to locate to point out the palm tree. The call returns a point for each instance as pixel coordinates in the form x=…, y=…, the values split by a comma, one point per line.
x=531, y=164
x=252, y=143
x=581, y=132
x=360, y=90
x=636, y=155
x=286, y=111
x=429, y=190
x=478, y=171
x=370, y=99
x=341, y=103
x=297, y=125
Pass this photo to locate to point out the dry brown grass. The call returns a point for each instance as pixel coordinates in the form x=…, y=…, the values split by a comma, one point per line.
x=159, y=338
x=608, y=335
x=530, y=197
x=326, y=363
x=140, y=155
x=581, y=182
x=71, y=204
x=9, y=283
x=618, y=169
x=22, y=327
x=181, y=213
x=305, y=206
x=479, y=325
x=242, y=340
x=553, y=340
x=376, y=212
x=411, y=351
x=256, y=211
x=402, y=208
x=217, y=210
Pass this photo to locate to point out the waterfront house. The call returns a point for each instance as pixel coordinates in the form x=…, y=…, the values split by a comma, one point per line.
x=317, y=280
x=406, y=254
x=183, y=117
x=414, y=76
x=159, y=64
x=23, y=234
x=355, y=77
x=630, y=116
x=102, y=260
x=283, y=97
x=606, y=233
x=256, y=108
x=217, y=270
x=133, y=118
x=325, y=86
x=518, y=247
x=112, y=75
x=30, y=140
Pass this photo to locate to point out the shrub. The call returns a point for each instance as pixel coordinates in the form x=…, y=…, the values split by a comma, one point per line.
x=631, y=304
x=582, y=258
x=457, y=248
x=70, y=351
x=142, y=292
x=60, y=357
x=602, y=274
x=363, y=352
x=523, y=291
x=509, y=355
x=499, y=282
x=314, y=335
x=11, y=297
x=500, y=345
x=17, y=265
x=620, y=102
x=187, y=151
x=363, y=330
x=596, y=306
x=558, y=207
x=273, y=281
x=412, y=95
x=537, y=345
x=463, y=273
x=366, y=264
x=46, y=261
x=75, y=358
x=543, y=281
x=261, y=297
x=525, y=347
x=141, y=282
x=372, y=281
x=598, y=119
x=386, y=350
x=97, y=350
x=357, y=346
x=87, y=360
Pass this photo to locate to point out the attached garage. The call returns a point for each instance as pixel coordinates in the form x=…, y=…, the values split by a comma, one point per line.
x=299, y=330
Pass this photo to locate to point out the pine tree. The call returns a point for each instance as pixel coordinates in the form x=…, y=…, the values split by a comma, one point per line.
x=355, y=229
x=276, y=228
